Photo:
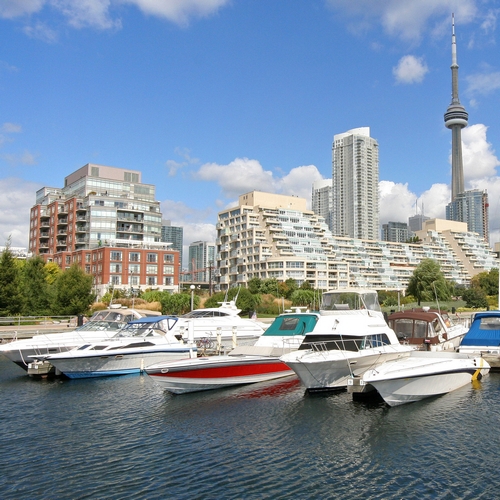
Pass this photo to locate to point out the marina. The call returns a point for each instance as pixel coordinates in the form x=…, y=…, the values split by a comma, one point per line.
x=124, y=437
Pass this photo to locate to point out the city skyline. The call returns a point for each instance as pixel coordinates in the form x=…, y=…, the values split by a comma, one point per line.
x=225, y=97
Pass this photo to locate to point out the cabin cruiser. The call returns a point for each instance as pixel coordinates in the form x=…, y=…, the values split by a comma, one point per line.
x=483, y=338
x=224, y=320
x=351, y=336
x=421, y=375
x=244, y=364
x=427, y=329
x=141, y=342
x=102, y=325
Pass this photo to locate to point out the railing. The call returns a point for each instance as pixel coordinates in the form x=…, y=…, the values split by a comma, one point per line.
x=12, y=327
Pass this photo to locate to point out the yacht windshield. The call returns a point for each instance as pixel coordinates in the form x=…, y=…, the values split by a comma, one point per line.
x=350, y=300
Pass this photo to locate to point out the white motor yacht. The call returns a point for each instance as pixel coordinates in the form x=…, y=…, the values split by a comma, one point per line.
x=350, y=337
x=140, y=343
x=225, y=320
x=423, y=375
x=102, y=325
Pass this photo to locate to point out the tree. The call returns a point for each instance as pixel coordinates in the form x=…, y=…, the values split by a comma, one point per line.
x=254, y=285
x=487, y=281
x=11, y=301
x=475, y=297
x=35, y=288
x=302, y=297
x=73, y=292
x=271, y=286
x=428, y=281
x=178, y=303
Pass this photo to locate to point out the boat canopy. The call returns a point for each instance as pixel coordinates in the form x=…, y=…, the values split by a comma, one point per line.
x=484, y=331
x=292, y=324
x=150, y=319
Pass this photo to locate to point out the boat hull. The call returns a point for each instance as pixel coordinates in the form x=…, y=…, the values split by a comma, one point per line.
x=216, y=372
x=331, y=370
x=115, y=364
x=420, y=376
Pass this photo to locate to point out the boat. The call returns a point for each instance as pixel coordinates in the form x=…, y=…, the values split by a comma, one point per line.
x=102, y=325
x=483, y=338
x=221, y=324
x=141, y=342
x=422, y=375
x=242, y=365
x=427, y=329
x=331, y=354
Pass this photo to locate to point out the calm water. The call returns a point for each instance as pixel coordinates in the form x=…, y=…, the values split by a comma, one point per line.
x=124, y=438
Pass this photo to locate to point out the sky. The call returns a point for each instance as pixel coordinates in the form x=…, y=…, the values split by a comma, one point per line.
x=211, y=99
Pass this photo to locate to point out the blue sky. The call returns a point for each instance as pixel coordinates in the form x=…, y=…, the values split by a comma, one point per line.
x=211, y=99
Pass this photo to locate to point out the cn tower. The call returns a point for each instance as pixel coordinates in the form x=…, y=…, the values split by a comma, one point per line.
x=455, y=119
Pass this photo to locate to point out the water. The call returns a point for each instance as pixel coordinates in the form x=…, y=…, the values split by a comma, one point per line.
x=124, y=438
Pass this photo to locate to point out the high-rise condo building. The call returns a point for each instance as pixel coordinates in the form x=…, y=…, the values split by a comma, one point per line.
x=174, y=235
x=201, y=261
x=355, y=176
x=108, y=222
x=471, y=207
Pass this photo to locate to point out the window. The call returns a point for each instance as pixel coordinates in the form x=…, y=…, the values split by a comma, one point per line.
x=115, y=268
x=134, y=269
x=152, y=257
x=151, y=269
x=168, y=257
x=115, y=279
x=168, y=269
x=116, y=256
x=151, y=280
x=134, y=257
x=68, y=259
x=168, y=280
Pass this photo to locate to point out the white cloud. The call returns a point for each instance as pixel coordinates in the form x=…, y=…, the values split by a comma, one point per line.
x=483, y=83
x=238, y=177
x=173, y=166
x=243, y=175
x=408, y=20
x=11, y=128
x=41, y=31
x=410, y=69
x=18, y=196
x=98, y=13
x=478, y=155
x=178, y=11
x=25, y=158
x=14, y=8
x=298, y=182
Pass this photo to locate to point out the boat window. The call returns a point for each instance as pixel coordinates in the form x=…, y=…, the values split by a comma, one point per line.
x=289, y=324
x=420, y=331
x=135, y=344
x=99, y=347
x=376, y=340
x=81, y=348
x=403, y=327
x=435, y=328
x=489, y=324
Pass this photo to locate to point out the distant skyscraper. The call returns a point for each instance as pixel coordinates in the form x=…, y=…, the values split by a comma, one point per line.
x=201, y=260
x=455, y=119
x=174, y=235
x=471, y=207
x=415, y=222
x=322, y=200
x=395, y=231
x=355, y=185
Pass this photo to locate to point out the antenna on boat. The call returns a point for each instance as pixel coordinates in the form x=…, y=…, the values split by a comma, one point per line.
x=435, y=293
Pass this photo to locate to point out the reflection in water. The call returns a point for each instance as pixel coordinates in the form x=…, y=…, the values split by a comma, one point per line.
x=125, y=438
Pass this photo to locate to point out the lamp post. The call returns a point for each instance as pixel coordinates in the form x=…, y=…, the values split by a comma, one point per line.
x=192, y=287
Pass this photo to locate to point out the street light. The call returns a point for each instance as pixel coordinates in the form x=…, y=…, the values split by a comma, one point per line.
x=192, y=287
